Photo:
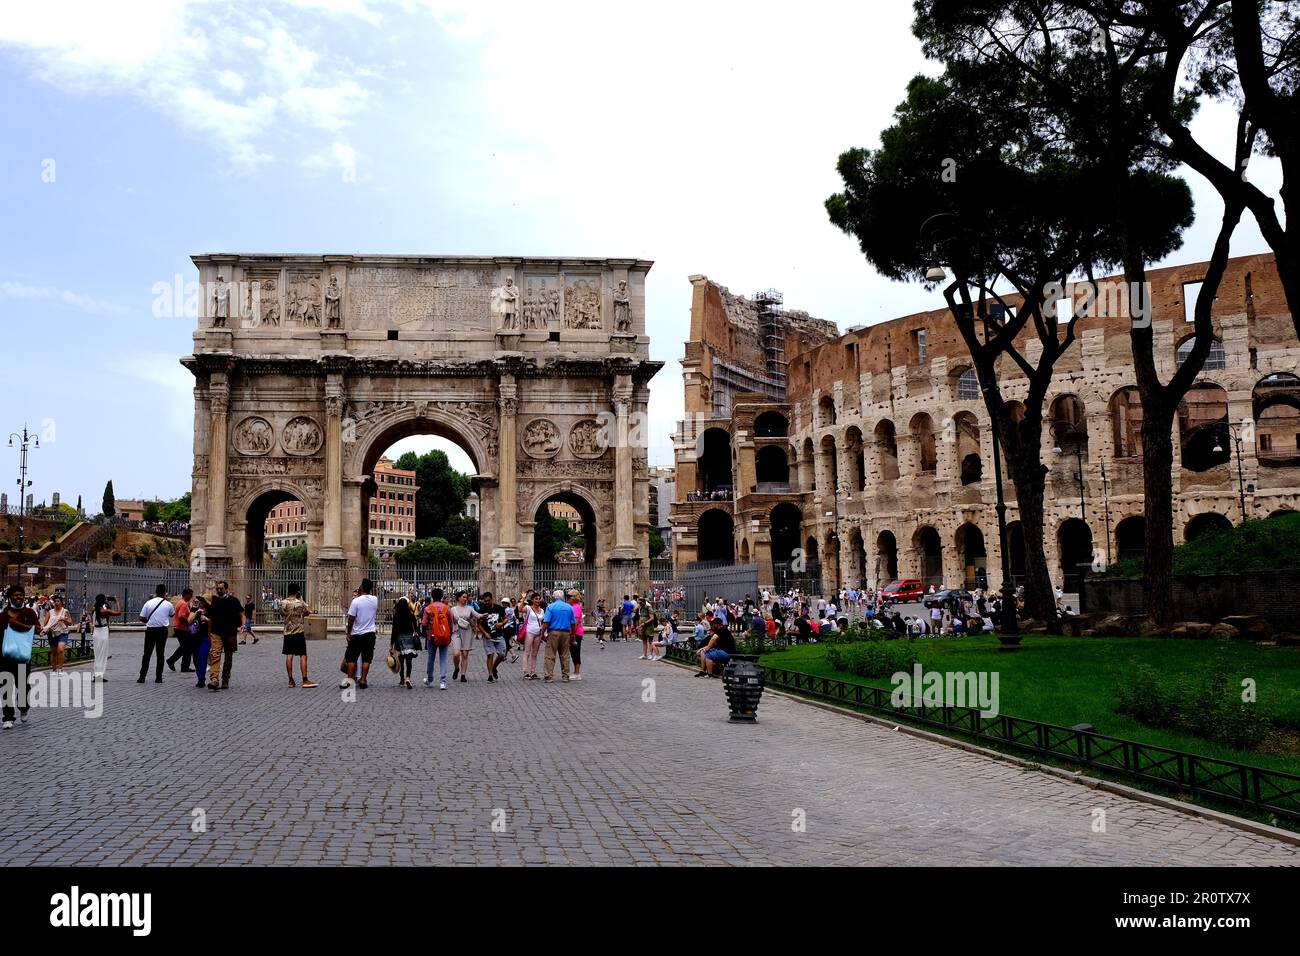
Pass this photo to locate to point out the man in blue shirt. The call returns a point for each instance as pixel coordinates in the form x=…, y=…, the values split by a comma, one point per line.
x=557, y=631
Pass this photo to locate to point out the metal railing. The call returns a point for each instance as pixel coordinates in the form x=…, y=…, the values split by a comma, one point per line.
x=1252, y=788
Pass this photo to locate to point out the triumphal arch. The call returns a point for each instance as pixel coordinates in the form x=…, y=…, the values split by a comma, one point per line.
x=308, y=367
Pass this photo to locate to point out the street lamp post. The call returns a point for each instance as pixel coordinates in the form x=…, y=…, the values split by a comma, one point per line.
x=1105, y=497
x=1235, y=435
x=24, y=441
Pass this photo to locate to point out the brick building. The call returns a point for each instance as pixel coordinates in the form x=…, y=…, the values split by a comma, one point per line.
x=392, y=508
x=883, y=442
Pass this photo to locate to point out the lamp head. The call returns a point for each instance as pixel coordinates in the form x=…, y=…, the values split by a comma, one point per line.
x=935, y=274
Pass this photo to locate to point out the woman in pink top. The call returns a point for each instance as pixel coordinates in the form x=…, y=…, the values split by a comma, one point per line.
x=575, y=645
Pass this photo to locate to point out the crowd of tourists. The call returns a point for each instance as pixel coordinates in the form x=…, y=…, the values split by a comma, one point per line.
x=210, y=627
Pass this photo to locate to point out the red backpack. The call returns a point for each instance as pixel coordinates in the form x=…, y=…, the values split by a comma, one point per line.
x=439, y=616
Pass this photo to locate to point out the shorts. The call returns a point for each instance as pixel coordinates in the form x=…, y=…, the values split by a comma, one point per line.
x=58, y=639
x=248, y=627
x=295, y=645
x=718, y=656
x=459, y=643
x=496, y=645
x=362, y=646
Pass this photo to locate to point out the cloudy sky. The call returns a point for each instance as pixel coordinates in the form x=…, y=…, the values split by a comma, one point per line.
x=700, y=135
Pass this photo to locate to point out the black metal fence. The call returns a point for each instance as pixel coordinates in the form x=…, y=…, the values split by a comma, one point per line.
x=1252, y=788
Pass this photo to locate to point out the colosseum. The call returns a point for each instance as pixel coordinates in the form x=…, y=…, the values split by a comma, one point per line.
x=831, y=460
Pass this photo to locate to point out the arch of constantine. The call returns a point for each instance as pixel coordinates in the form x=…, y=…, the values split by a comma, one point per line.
x=309, y=367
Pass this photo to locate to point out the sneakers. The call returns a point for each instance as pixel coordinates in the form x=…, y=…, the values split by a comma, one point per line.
x=577, y=677
x=463, y=679
x=643, y=658
x=442, y=685
x=309, y=683
x=291, y=683
x=22, y=716
x=548, y=680
x=427, y=682
x=9, y=725
x=408, y=684
x=491, y=678
x=343, y=684
x=564, y=678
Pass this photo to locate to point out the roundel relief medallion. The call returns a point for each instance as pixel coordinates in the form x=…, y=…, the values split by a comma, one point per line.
x=301, y=436
x=254, y=436
x=587, y=439
x=541, y=438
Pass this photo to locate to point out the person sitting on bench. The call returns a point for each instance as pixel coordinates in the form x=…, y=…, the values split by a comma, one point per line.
x=718, y=651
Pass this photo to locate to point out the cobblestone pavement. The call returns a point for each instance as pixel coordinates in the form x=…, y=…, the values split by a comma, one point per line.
x=586, y=773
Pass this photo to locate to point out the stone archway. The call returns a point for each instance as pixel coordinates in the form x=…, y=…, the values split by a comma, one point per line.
x=307, y=368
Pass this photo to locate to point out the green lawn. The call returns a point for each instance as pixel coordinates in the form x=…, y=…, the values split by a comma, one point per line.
x=1073, y=680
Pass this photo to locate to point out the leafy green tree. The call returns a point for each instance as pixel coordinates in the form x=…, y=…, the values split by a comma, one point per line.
x=433, y=551
x=177, y=510
x=462, y=530
x=110, y=504
x=442, y=492
x=293, y=557
x=551, y=536
x=151, y=511
x=963, y=180
x=1097, y=83
x=656, y=543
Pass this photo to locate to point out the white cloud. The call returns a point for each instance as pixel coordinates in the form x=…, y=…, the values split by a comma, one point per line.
x=240, y=76
x=73, y=300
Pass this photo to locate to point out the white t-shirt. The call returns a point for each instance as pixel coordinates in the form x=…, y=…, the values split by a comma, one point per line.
x=159, y=611
x=363, y=610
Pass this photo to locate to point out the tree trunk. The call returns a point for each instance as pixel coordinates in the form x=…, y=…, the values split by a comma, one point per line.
x=1157, y=464
x=1030, y=479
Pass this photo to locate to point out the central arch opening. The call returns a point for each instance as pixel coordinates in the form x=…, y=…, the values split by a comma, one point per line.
x=275, y=530
x=419, y=497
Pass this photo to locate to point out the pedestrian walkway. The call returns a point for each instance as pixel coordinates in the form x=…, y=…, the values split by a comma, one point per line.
x=611, y=770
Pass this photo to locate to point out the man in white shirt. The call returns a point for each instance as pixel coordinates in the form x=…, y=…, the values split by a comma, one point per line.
x=363, y=613
x=157, y=617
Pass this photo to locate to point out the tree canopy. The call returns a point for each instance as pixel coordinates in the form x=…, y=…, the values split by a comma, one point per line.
x=441, y=496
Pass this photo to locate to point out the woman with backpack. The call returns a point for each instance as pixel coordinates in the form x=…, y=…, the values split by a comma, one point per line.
x=437, y=625
x=405, y=641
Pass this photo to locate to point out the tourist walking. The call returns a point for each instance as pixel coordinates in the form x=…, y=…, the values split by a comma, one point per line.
x=534, y=629
x=19, y=624
x=201, y=635
x=405, y=642
x=99, y=619
x=226, y=617
x=575, y=644
x=249, y=610
x=156, y=615
x=185, y=642
x=437, y=628
x=295, y=612
x=58, y=622
x=464, y=622
x=363, y=614
x=495, y=624
x=601, y=617
x=557, y=630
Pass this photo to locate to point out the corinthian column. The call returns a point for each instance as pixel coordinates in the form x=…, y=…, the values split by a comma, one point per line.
x=332, y=526
x=219, y=406
x=624, y=509
x=507, y=479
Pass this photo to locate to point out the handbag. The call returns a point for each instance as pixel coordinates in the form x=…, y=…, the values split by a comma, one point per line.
x=17, y=645
x=392, y=662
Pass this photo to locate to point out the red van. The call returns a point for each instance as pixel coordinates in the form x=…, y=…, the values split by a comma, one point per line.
x=903, y=590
